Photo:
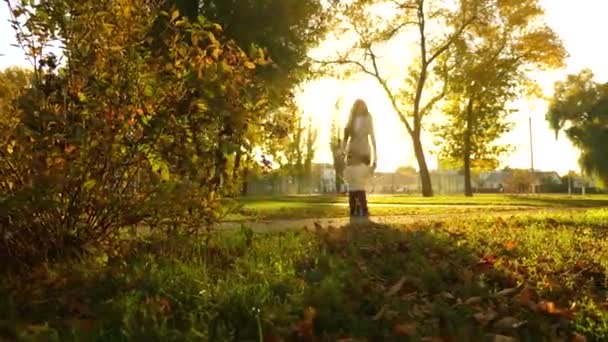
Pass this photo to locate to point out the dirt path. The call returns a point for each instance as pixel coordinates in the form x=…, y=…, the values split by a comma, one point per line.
x=284, y=225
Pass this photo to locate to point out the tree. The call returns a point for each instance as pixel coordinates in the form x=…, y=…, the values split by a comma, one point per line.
x=579, y=107
x=13, y=82
x=335, y=145
x=436, y=27
x=282, y=31
x=406, y=170
x=520, y=181
x=300, y=151
x=493, y=59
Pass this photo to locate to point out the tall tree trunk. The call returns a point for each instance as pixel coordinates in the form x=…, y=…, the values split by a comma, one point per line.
x=425, y=176
x=468, y=188
x=338, y=182
x=245, y=184
x=237, y=165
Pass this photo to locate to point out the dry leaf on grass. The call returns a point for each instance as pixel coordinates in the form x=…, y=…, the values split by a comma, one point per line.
x=305, y=327
x=509, y=245
x=397, y=287
x=503, y=338
x=408, y=329
x=448, y=295
x=579, y=338
x=525, y=296
x=380, y=313
x=473, y=301
x=506, y=292
x=433, y=339
x=485, y=317
x=273, y=338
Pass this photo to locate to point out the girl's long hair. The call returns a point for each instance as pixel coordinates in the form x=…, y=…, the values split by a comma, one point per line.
x=358, y=109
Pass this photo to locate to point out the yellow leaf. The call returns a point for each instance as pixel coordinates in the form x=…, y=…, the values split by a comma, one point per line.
x=212, y=39
x=249, y=65
x=174, y=15
x=216, y=53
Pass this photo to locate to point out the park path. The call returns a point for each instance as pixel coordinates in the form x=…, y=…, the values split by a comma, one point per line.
x=286, y=224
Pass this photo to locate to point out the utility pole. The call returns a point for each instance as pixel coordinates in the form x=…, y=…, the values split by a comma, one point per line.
x=531, y=146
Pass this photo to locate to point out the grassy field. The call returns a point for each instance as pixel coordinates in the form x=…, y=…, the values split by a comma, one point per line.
x=300, y=207
x=527, y=278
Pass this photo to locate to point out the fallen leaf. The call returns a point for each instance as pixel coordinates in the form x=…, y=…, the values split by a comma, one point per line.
x=467, y=276
x=164, y=306
x=473, y=301
x=488, y=260
x=509, y=245
x=579, y=338
x=70, y=148
x=525, y=296
x=408, y=329
x=448, y=295
x=397, y=287
x=506, y=292
x=546, y=306
x=273, y=338
x=379, y=314
x=432, y=339
x=305, y=327
x=310, y=314
x=503, y=338
x=485, y=317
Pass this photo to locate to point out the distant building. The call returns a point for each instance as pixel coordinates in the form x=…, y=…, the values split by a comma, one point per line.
x=495, y=180
x=323, y=178
x=447, y=182
x=393, y=182
x=517, y=180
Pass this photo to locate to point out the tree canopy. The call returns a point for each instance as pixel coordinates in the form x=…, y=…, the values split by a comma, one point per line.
x=491, y=64
x=579, y=107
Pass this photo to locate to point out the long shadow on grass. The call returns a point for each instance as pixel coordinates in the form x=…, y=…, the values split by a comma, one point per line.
x=563, y=201
x=382, y=283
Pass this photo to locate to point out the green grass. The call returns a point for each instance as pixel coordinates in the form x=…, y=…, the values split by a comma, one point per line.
x=374, y=283
x=301, y=207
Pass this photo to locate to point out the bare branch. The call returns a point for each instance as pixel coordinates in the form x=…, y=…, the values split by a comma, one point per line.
x=387, y=90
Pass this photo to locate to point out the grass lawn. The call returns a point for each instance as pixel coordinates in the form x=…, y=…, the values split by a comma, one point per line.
x=300, y=207
x=533, y=278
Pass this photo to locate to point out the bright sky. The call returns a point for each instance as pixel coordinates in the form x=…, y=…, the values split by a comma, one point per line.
x=579, y=23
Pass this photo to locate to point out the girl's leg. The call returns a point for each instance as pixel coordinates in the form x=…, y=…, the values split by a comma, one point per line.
x=352, y=202
x=363, y=200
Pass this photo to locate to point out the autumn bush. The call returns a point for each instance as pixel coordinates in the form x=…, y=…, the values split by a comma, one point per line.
x=132, y=127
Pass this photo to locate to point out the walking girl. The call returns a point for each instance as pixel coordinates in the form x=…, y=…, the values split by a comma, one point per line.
x=359, y=143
